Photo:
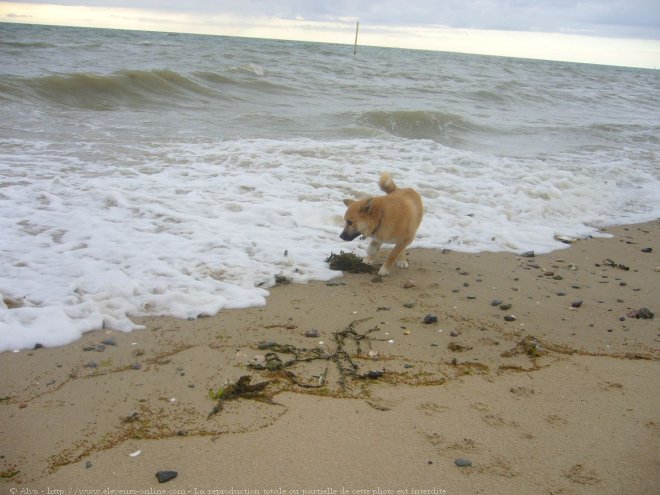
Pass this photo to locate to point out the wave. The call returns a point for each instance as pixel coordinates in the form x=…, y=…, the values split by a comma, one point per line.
x=120, y=89
x=134, y=88
x=419, y=124
x=25, y=44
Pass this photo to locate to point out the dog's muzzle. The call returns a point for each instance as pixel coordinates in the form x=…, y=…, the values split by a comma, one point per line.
x=348, y=236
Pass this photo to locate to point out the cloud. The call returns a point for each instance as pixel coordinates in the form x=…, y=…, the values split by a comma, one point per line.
x=612, y=18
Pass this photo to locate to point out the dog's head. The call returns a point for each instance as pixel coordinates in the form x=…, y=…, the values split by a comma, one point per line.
x=358, y=218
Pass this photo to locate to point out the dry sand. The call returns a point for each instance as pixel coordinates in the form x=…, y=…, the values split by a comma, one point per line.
x=563, y=400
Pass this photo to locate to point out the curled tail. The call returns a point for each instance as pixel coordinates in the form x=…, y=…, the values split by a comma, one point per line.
x=386, y=183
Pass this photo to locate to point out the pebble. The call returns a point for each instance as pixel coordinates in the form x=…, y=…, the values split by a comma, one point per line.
x=510, y=318
x=88, y=464
x=527, y=254
x=165, y=476
x=136, y=366
x=647, y=250
x=409, y=284
x=88, y=348
x=506, y=306
x=495, y=302
x=463, y=462
x=576, y=304
x=430, y=318
x=454, y=333
x=99, y=348
x=333, y=283
x=110, y=341
x=312, y=333
x=643, y=313
x=91, y=364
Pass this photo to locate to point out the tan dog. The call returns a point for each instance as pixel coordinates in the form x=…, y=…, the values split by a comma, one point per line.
x=390, y=219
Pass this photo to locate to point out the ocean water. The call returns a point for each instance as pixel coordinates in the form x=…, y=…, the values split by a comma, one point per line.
x=171, y=174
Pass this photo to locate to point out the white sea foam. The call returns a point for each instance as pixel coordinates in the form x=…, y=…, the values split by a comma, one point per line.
x=198, y=227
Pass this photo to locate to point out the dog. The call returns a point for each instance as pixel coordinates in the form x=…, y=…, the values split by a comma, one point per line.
x=390, y=219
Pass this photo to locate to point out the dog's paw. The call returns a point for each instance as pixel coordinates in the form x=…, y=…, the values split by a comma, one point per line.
x=402, y=263
x=383, y=271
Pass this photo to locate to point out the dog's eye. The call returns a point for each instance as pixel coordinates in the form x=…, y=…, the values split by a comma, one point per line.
x=349, y=222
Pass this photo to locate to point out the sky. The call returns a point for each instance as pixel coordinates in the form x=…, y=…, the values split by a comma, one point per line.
x=611, y=32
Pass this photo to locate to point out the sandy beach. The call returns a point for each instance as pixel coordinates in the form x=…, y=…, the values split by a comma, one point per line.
x=490, y=374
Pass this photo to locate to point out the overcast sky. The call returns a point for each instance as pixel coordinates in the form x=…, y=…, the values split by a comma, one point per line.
x=620, y=32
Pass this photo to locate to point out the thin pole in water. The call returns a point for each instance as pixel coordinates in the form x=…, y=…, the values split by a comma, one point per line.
x=357, y=26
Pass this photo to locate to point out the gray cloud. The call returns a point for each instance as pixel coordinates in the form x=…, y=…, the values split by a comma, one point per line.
x=611, y=18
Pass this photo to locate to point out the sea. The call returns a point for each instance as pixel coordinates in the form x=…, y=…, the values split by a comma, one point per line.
x=163, y=174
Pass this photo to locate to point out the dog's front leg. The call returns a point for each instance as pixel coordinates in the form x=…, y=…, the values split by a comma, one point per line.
x=372, y=251
x=397, y=251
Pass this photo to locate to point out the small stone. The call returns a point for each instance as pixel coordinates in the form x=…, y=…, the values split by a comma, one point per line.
x=50, y=382
x=22, y=405
x=110, y=341
x=576, y=304
x=647, y=250
x=38, y=346
x=430, y=318
x=409, y=284
x=495, y=302
x=165, y=476
x=136, y=366
x=91, y=364
x=505, y=307
x=409, y=305
x=643, y=313
x=527, y=254
x=509, y=318
x=88, y=464
x=99, y=348
x=454, y=333
x=88, y=348
x=561, y=294
x=313, y=333
x=463, y=462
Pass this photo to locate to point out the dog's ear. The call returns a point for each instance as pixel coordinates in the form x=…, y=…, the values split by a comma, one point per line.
x=367, y=206
x=349, y=202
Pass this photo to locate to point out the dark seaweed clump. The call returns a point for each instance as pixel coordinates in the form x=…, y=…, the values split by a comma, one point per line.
x=348, y=262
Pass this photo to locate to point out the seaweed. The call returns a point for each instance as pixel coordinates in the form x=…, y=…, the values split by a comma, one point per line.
x=241, y=388
x=349, y=262
x=342, y=358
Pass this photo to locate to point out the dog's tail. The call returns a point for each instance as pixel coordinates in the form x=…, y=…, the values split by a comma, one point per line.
x=386, y=183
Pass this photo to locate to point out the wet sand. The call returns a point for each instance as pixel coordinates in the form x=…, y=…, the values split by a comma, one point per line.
x=380, y=399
